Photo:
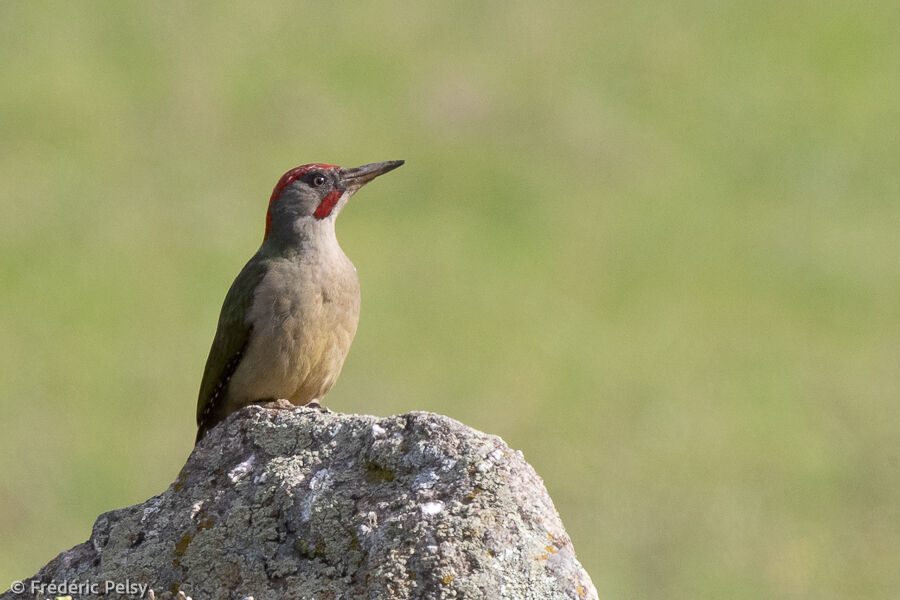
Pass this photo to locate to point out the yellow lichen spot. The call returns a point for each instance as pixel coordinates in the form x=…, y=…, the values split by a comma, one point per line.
x=580, y=590
x=179, y=481
x=376, y=473
x=180, y=548
x=446, y=579
x=471, y=496
x=183, y=543
x=550, y=549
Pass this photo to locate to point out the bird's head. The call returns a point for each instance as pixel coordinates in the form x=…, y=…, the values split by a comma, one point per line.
x=317, y=192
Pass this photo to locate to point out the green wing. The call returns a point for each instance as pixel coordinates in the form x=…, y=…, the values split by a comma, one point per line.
x=229, y=344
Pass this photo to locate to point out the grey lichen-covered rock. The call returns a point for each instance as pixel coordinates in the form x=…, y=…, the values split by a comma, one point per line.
x=280, y=504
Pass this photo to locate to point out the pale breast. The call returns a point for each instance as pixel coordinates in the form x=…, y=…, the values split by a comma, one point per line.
x=304, y=318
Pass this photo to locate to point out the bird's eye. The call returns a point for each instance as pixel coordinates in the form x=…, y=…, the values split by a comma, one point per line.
x=318, y=180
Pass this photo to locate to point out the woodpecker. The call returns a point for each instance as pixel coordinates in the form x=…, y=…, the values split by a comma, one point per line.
x=290, y=316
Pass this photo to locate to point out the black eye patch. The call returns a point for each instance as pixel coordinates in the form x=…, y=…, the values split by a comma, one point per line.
x=316, y=179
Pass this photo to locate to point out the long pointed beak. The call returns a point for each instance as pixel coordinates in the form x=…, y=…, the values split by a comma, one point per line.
x=355, y=178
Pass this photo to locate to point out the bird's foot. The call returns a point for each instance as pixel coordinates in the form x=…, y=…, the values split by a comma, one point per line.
x=314, y=404
x=280, y=403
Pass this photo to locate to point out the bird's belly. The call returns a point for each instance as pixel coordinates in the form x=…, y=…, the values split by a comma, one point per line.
x=302, y=331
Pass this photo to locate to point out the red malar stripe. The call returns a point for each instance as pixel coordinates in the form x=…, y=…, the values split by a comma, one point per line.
x=327, y=204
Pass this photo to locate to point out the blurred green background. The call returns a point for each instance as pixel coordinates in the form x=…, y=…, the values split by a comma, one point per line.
x=653, y=245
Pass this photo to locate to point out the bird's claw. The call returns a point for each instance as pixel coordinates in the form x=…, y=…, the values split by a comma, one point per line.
x=314, y=404
x=280, y=404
